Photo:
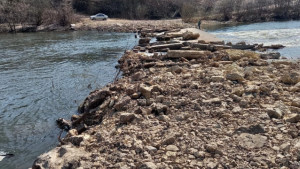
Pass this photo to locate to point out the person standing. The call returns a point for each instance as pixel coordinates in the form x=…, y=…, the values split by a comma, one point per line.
x=199, y=24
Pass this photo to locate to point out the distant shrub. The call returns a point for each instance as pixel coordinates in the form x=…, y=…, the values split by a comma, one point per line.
x=188, y=12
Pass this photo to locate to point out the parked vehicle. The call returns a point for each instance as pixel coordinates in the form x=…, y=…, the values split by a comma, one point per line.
x=99, y=16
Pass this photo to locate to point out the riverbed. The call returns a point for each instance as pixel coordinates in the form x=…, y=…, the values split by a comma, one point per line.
x=286, y=33
x=45, y=76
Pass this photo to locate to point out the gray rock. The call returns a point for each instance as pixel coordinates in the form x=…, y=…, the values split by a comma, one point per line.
x=151, y=149
x=212, y=165
x=175, y=69
x=76, y=140
x=274, y=113
x=250, y=141
x=213, y=101
x=292, y=118
x=239, y=91
x=148, y=165
x=137, y=76
x=296, y=88
x=145, y=91
x=120, y=105
x=172, y=148
x=291, y=78
x=296, y=102
x=126, y=118
x=199, y=154
x=236, y=110
x=285, y=146
x=169, y=140
x=213, y=149
x=217, y=79
x=158, y=108
x=235, y=77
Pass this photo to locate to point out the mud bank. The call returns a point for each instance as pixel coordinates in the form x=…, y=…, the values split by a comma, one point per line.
x=186, y=104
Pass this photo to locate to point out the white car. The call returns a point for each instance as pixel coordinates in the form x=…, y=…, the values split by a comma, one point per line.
x=99, y=16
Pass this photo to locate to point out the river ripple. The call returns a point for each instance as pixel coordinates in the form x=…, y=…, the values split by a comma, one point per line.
x=45, y=76
x=286, y=33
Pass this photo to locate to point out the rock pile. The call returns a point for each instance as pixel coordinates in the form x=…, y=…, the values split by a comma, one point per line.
x=188, y=109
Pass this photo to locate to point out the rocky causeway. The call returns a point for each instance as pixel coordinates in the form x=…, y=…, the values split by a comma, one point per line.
x=187, y=100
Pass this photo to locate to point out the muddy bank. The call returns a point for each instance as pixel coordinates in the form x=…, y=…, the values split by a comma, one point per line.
x=182, y=105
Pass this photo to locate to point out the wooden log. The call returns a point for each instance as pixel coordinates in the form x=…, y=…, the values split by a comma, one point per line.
x=143, y=41
x=243, y=47
x=190, y=36
x=163, y=38
x=277, y=46
x=173, y=46
x=175, y=34
x=210, y=47
x=188, y=54
x=200, y=46
x=221, y=47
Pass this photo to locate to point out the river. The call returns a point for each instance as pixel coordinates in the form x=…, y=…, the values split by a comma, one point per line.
x=286, y=33
x=45, y=76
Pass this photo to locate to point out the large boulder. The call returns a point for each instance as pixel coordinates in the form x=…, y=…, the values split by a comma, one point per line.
x=290, y=78
x=234, y=73
x=292, y=118
x=296, y=102
x=251, y=141
x=122, y=102
x=296, y=88
x=66, y=156
x=126, y=118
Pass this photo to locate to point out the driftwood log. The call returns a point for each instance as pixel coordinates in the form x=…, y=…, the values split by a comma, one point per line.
x=172, y=46
x=188, y=54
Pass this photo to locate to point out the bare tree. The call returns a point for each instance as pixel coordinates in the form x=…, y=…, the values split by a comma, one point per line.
x=36, y=11
x=1, y=12
x=14, y=12
x=296, y=8
x=225, y=8
x=207, y=6
x=188, y=12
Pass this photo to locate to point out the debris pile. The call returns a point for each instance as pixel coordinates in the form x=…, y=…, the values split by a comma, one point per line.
x=195, y=108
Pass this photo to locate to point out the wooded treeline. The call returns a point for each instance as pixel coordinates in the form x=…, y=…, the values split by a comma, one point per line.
x=222, y=10
x=250, y=10
x=129, y=9
x=33, y=13
x=61, y=12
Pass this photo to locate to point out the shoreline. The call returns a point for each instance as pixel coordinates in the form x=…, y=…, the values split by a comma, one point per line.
x=187, y=104
x=125, y=25
x=110, y=25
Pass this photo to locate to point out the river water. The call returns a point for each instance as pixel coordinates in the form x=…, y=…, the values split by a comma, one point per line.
x=45, y=76
x=286, y=33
